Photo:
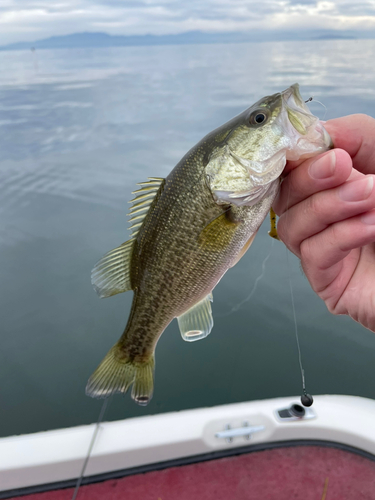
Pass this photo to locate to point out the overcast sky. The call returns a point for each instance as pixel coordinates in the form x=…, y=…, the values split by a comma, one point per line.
x=28, y=20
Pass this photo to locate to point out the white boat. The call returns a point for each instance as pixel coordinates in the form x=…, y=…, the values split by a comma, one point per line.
x=53, y=460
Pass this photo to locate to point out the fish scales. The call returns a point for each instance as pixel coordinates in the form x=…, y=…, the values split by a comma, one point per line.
x=198, y=223
x=184, y=268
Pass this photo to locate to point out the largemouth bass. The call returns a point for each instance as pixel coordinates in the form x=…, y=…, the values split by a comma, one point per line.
x=191, y=227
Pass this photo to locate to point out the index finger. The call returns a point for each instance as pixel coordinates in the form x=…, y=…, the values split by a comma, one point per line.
x=356, y=135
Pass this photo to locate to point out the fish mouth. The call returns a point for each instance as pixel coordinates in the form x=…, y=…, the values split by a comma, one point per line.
x=298, y=113
x=308, y=127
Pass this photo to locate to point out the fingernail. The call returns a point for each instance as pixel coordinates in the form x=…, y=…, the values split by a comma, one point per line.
x=323, y=167
x=368, y=218
x=357, y=190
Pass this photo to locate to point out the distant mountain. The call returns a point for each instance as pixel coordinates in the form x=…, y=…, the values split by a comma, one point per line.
x=339, y=36
x=85, y=40
x=105, y=40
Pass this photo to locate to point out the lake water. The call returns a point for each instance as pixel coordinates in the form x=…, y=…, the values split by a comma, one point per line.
x=78, y=129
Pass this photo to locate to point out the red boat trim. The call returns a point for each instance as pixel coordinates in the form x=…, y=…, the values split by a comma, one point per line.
x=181, y=461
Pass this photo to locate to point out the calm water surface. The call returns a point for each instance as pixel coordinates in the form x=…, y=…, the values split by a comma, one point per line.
x=78, y=129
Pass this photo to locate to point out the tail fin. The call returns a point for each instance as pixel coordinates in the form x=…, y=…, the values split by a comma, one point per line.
x=116, y=373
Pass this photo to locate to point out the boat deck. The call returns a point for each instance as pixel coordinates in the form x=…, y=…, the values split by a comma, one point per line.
x=297, y=472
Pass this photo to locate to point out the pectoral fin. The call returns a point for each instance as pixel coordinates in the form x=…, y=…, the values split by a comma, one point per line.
x=197, y=322
x=220, y=230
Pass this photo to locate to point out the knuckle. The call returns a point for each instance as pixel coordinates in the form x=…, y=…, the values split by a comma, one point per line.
x=366, y=123
x=308, y=207
x=313, y=206
x=335, y=235
x=365, y=119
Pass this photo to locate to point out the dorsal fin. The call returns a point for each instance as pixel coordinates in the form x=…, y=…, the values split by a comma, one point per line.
x=197, y=322
x=111, y=275
x=144, y=196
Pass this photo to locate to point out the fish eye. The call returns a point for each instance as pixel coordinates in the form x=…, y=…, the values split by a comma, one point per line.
x=258, y=117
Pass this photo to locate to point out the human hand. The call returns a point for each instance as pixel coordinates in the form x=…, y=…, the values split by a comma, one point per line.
x=327, y=218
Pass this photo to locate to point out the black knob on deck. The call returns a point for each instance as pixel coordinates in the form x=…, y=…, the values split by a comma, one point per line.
x=307, y=399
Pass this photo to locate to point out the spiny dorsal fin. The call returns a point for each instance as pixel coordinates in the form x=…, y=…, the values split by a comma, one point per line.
x=144, y=196
x=111, y=275
x=197, y=322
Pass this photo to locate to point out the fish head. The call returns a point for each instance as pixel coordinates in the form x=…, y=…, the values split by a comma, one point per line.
x=254, y=147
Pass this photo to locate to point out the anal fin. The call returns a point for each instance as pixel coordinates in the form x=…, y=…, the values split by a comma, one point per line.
x=197, y=322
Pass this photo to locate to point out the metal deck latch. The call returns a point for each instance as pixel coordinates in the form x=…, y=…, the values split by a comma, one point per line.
x=245, y=431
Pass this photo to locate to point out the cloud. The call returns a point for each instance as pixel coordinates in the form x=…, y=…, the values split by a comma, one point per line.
x=35, y=19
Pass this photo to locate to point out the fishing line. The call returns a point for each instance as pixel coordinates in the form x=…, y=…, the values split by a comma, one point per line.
x=315, y=100
x=92, y=442
x=258, y=279
x=306, y=399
